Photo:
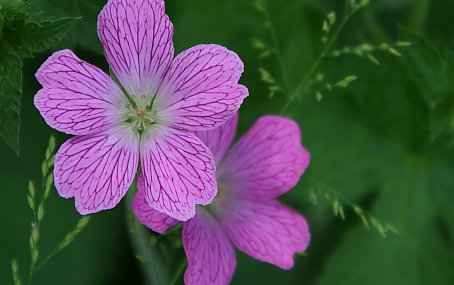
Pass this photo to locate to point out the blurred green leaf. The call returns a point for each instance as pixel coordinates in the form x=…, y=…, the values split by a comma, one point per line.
x=84, y=33
x=10, y=94
x=410, y=257
x=433, y=73
x=22, y=35
x=427, y=66
x=39, y=34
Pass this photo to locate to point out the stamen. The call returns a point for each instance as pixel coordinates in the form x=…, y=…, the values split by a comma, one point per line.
x=140, y=117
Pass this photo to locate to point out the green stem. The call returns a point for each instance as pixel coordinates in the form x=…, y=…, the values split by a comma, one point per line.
x=30, y=278
x=277, y=47
x=45, y=260
x=179, y=272
x=155, y=270
x=418, y=15
x=83, y=222
x=317, y=62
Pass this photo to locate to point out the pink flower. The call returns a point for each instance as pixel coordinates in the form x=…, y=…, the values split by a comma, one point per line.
x=265, y=163
x=148, y=118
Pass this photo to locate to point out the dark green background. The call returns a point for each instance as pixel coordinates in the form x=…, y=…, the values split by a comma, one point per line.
x=384, y=143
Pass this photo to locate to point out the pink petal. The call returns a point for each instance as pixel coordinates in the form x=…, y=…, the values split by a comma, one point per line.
x=151, y=218
x=137, y=40
x=179, y=172
x=267, y=161
x=267, y=231
x=97, y=169
x=201, y=89
x=77, y=98
x=219, y=139
x=211, y=258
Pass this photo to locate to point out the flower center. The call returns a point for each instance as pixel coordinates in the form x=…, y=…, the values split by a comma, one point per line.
x=141, y=114
x=219, y=201
x=222, y=189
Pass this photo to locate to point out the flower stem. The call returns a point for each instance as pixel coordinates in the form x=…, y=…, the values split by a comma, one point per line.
x=277, y=47
x=316, y=64
x=68, y=239
x=418, y=15
x=179, y=272
x=153, y=265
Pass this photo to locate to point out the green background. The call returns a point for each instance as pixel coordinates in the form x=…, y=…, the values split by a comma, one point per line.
x=384, y=143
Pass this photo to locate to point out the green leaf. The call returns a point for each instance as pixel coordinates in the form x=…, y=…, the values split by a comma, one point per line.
x=84, y=33
x=433, y=73
x=40, y=35
x=427, y=66
x=412, y=257
x=10, y=94
x=22, y=35
x=12, y=5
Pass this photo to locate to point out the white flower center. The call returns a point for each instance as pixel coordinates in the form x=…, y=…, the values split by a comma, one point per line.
x=141, y=114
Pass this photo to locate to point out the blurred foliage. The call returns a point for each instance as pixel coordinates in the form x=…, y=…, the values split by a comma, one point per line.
x=22, y=34
x=382, y=142
x=36, y=201
x=84, y=34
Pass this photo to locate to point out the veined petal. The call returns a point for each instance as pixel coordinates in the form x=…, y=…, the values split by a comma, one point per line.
x=97, y=169
x=148, y=216
x=179, y=172
x=201, y=90
x=219, y=139
x=211, y=258
x=267, y=231
x=77, y=98
x=137, y=39
x=267, y=161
